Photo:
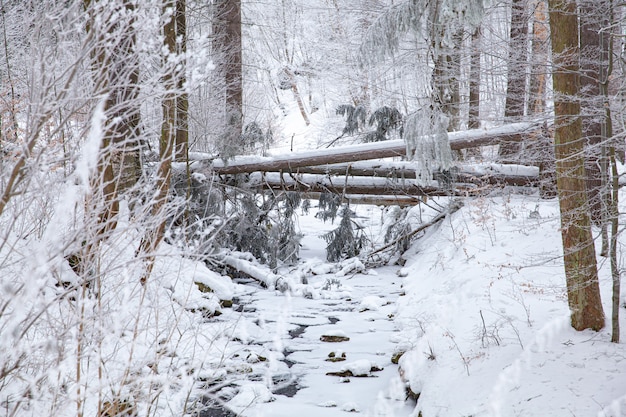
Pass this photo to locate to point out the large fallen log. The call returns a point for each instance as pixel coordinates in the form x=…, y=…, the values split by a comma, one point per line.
x=391, y=148
x=238, y=262
x=494, y=174
x=308, y=183
x=375, y=200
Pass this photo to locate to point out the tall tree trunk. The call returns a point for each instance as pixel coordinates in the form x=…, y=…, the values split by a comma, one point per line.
x=581, y=271
x=173, y=78
x=473, y=120
x=446, y=91
x=592, y=56
x=181, y=149
x=615, y=272
x=543, y=152
x=539, y=59
x=516, y=78
x=227, y=43
x=474, y=82
x=116, y=75
x=446, y=74
x=610, y=197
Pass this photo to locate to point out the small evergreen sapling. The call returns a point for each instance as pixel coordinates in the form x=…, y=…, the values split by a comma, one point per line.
x=347, y=240
x=387, y=119
x=328, y=205
x=355, y=118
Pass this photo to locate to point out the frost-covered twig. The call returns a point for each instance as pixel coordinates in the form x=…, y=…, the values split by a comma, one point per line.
x=453, y=207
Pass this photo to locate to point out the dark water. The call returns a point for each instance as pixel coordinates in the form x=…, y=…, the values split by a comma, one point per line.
x=213, y=409
x=297, y=332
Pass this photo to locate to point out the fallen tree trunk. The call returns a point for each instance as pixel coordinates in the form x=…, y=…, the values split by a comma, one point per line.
x=342, y=185
x=376, y=150
x=404, y=171
x=375, y=200
x=259, y=273
x=461, y=184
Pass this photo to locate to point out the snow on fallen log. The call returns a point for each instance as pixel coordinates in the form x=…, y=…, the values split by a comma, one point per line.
x=519, y=175
x=244, y=263
x=375, y=200
x=362, y=185
x=375, y=150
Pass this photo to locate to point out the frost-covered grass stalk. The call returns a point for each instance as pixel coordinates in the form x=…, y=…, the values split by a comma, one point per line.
x=80, y=334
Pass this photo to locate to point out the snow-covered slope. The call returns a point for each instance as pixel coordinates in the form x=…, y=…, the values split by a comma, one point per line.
x=485, y=320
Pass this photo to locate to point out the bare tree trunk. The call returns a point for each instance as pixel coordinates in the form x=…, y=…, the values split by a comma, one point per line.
x=592, y=56
x=516, y=80
x=116, y=75
x=611, y=198
x=539, y=59
x=446, y=74
x=581, y=272
x=474, y=83
x=181, y=150
x=374, y=150
x=289, y=75
x=473, y=121
x=615, y=272
x=227, y=43
x=169, y=134
x=542, y=148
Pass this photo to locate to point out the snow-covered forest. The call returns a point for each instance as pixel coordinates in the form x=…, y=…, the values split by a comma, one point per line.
x=312, y=207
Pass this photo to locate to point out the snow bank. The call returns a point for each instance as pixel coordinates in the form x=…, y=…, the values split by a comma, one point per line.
x=361, y=367
x=250, y=394
x=372, y=302
x=485, y=319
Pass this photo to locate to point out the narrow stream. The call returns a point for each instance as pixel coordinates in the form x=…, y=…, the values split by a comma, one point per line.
x=358, y=318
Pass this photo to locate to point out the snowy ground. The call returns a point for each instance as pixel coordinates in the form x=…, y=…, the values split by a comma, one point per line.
x=480, y=307
x=477, y=305
x=287, y=331
x=485, y=292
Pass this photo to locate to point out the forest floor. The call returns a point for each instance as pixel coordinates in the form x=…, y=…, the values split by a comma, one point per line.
x=480, y=308
x=479, y=305
x=288, y=331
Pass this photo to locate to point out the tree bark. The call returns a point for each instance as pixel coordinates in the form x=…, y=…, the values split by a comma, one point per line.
x=539, y=64
x=227, y=44
x=181, y=148
x=581, y=272
x=473, y=121
x=592, y=61
x=615, y=271
x=474, y=83
x=116, y=75
x=516, y=79
x=168, y=141
x=445, y=79
x=344, y=186
x=399, y=173
x=539, y=59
